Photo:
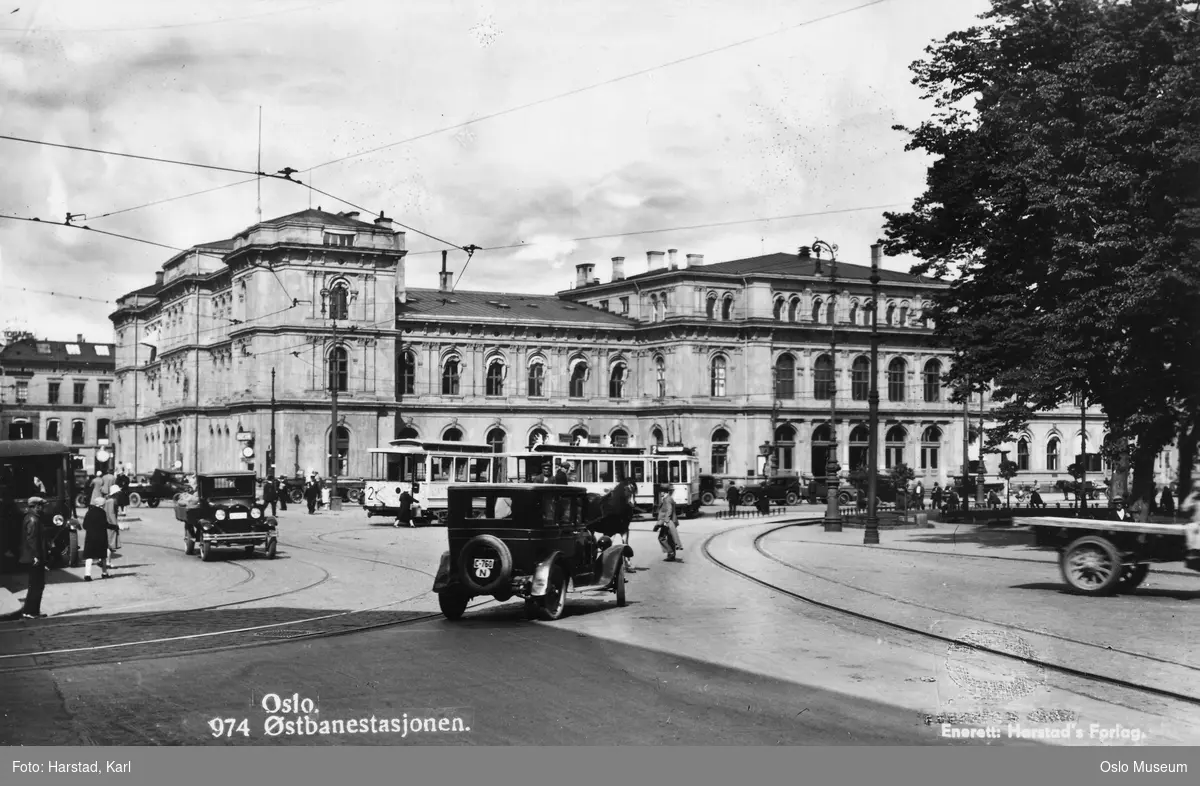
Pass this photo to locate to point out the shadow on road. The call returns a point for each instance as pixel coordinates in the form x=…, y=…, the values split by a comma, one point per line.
x=1140, y=592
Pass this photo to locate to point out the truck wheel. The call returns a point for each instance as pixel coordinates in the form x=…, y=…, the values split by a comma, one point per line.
x=1132, y=576
x=1091, y=565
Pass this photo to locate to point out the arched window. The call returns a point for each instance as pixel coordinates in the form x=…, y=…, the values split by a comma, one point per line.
x=660, y=376
x=778, y=313
x=656, y=435
x=816, y=310
x=78, y=432
x=794, y=310
x=450, y=370
x=452, y=434
x=860, y=379
x=579, y=435
x=820, y=450
x=831, y=311
x=785, y=447
x=860, y=442
x=931, y=446
x=339, y=369
x=785, y=377
x=54, y=430
x=538, y=437
x=619, y=438
x=891, y=314
x=616, y=381
x=727, y=308
x=710, y=309
x=933, y=381
x=654, y=308
x=406, y=373
x=903, y=315
x=495, y=438
x=1052, y=448
x=717, y=377
x=537, y=376
x=854, y=313
x=341, y=449
x=1023, y=454
x=896, y=371
x=720, y=452
x=339, y=301
x=579, y=375
x=893, y=453
x=495, y=378
x=823, y=378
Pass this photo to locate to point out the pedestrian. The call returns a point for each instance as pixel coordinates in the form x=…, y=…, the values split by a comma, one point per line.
x=561, y=477
x=33, y=557
x=993, y=499
x=668, y=525
x=405, y=517
x=123, y=481
x=952, y=501
x=763, y=503
x=935, y=496
x=919, y=495
x=1167, y=503
x=326, y=491
x=270, y=494
x=111, y=503
x=281, y=493
x=311, y=493
x=98, y=488
x=1035, y=499
x=96, y=528
x=732, y=495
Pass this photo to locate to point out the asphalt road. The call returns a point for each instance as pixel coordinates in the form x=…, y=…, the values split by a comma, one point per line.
x=699, y=656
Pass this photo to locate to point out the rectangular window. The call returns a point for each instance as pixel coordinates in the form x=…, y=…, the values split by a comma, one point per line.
x=53, y=392
x=77, y=432
x=929, y=458
x=589, y=471
x=102, y=429
x=105, y=394
x=72, y=349
x=22, y=391
x=604, y=305
x=80, y=392
x=624, y=305
x=53, y=431
x=337, y=239
x=606, y=472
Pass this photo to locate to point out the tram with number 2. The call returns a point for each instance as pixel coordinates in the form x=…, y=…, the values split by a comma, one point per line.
x=425, y=469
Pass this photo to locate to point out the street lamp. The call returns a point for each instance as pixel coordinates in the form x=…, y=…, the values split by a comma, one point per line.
x=833, y=516
x=765, y=450
x=871, y=533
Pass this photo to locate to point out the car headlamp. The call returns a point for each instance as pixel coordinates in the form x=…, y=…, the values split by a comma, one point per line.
x=58, y=520
x=255, y=513
x=220, y=515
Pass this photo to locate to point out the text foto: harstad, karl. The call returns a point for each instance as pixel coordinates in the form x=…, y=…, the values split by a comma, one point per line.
x=67, y=767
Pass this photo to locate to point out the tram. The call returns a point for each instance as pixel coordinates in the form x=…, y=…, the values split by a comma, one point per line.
x=425, y=469
x=598, y=468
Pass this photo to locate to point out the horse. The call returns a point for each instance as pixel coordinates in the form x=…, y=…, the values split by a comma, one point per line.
x=610, y=514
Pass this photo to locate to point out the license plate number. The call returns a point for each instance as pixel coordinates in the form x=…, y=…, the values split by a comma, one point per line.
x=237, y=515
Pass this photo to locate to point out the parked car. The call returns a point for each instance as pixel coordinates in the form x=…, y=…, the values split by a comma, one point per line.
x=225, y=512
x=1071, y=488
x=710, y=489
x=159, y=485
x=526, y=540
x=786, y=490
x=818, y=492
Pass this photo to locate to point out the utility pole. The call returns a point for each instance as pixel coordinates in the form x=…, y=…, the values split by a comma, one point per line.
x=833, y=515
x=271, y=450
x=1082, y=453
x=335, y=501
x=966, y=469
x=979, y=477
x=871, y=532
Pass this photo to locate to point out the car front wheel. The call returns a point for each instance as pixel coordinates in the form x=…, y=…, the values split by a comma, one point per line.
x=135, y=499
x=748, y=500
x=555, y=599
x=792, y=498
x=707, y=498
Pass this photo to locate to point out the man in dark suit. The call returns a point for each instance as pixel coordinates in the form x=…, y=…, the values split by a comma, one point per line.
x=33, y=557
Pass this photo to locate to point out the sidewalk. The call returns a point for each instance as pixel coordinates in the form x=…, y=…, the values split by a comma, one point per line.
x=939, y=581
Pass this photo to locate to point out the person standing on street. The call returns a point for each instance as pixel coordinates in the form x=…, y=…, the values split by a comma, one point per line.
x=111, y=505
x=732, y=495
x=270, y=494
x=405, y=517
x=33, y=557
x=281, y=492
x=919, y=495
x=311, y=492
x=96, y=526
x=668, y=525
x=122, y=480
x=1035, y=499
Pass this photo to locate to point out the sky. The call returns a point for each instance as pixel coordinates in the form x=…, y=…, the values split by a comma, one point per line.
x=564, y=127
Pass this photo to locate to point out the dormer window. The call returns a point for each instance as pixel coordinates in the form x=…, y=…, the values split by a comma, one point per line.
x=72, y=349
x=339, y=239
x=101, y=350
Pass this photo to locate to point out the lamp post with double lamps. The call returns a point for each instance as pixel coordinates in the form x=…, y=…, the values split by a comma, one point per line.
x=871, y=532
x=833, y=516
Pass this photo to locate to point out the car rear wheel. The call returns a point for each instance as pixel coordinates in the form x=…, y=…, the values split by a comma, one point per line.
x=296, y=495
x=749, y=499
x=708, y=498
x=555, y=599
x=135, y=499
x=792, y=498
x=453, y=603
x=153, y=502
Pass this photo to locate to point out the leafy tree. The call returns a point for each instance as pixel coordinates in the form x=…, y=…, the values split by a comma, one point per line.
x=1062, y=209
x=1008, y=470
x=900, y=475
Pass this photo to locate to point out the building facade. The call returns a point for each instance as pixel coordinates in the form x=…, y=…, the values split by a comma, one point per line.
x=745, y=360
x=61, y=391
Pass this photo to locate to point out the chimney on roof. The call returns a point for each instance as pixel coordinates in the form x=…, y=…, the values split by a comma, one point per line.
x=78, y=338
x=158, y=278
x=695, y=260
x=672, y=264
x=583, y=274
x=618, y=268
x=654, y=260
x=444, y=277
x=383, y=222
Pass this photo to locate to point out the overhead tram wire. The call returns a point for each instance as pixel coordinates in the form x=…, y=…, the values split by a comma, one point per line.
x=172, y=199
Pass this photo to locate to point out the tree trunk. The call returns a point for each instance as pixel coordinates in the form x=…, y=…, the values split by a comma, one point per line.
x=1143, y=480
x=1189, y=433
x=1119, y=483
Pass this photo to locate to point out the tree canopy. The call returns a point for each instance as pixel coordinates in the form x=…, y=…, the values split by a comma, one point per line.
x=1062, y=208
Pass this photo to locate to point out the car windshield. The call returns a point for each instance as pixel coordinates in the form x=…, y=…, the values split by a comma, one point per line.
x=227, y=487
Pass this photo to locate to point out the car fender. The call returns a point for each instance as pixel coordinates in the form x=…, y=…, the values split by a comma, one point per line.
x=445, y=573
x=541, y=575
x=610, y=560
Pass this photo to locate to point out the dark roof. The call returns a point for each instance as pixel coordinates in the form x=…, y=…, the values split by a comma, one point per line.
x=492, y=306
x=318, y=217
x=225, y=245
x=34, y=351
x=31, y=447
x=793, y=265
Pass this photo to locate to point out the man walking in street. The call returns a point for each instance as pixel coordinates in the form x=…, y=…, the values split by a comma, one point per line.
x=668, y=525
x=270, y=494
x=919, y=496
x=33, y=557
x=281, y=492
x=312, y=492
x=732, y=495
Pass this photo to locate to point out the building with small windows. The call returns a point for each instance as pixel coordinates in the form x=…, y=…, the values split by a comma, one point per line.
x=61, y=391
x=733, y=358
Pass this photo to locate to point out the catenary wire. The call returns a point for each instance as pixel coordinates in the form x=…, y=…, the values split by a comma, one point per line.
x=154, y=159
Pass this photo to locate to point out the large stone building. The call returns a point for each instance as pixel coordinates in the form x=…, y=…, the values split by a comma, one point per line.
x=725, y=357
x=61, y=391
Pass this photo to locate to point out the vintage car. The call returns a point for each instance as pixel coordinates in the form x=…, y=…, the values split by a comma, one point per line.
x=786, y=489
x=225, y=512
x=157, y=486
x=35, y=468
x=524, y=540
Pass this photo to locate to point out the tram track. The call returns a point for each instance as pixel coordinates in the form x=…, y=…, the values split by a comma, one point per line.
x=1047, y=665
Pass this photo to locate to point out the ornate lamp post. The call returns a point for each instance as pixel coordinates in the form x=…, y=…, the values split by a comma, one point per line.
x=833, y=516
x=765, y=450
x=871, y=533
